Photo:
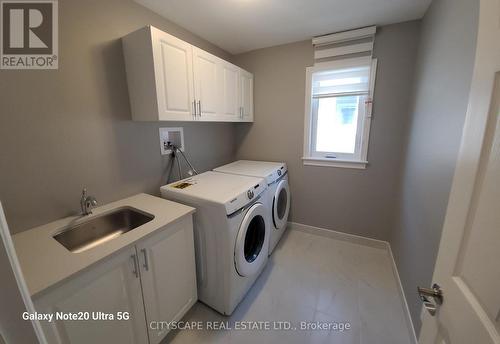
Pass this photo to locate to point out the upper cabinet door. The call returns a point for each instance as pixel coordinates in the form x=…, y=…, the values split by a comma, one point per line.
x=173, y=63
x=230, y=91
x=113, y=287
x=168, y=275
x=246, y=96
x=207, y=85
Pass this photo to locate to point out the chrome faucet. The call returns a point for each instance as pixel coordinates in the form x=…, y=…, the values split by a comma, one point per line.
x=87, y=203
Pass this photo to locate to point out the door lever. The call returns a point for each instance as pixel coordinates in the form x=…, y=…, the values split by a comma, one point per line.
x=435, y=293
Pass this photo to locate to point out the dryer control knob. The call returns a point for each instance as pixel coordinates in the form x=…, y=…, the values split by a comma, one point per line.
x=279, y=172
x=250, y=194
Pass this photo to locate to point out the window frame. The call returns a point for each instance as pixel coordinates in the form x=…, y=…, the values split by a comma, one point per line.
x=360, y=160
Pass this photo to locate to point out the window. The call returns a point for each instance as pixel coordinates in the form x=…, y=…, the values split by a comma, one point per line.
x=338, y=112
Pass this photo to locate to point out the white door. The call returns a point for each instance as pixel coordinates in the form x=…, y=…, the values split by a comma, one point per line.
x=467, y=267
x=110, y=287
x=168, y=275
x=207, y=84
x=230, y=94
x=246, y=96
x=252, y=243
x=281, y=204
x=174, y=77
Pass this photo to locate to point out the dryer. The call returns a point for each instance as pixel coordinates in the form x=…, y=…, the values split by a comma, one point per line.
x=276, y=176
x=232, y=232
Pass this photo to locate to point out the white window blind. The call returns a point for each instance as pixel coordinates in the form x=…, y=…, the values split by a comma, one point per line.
x=345, y=81
x=347, y=44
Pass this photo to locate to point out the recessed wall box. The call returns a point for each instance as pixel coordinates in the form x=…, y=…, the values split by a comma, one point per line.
x=172, y=135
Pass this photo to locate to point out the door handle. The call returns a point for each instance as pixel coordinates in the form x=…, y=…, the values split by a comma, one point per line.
x=146, y=262
x=194, y=108
x=136, y=268
x=426, y=294
x=199, y=107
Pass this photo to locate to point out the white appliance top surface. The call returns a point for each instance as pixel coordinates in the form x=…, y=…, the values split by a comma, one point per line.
x=216, y=187
x=252, y=168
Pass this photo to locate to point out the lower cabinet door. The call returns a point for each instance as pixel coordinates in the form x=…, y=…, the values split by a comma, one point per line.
x=112, y=287
x=168, y=276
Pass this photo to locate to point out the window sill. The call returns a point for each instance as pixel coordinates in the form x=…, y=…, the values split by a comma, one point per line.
x=325, y=162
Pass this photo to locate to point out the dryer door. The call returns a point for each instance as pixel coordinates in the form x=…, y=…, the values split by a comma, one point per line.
x=281, y=204
x=252, y=243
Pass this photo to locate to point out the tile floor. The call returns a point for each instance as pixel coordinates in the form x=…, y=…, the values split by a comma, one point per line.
x=314, y=278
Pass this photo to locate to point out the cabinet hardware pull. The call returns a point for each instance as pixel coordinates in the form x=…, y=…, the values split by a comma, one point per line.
x=146, y=263
x=199, y=107
x=194, y=108
x=136, y=270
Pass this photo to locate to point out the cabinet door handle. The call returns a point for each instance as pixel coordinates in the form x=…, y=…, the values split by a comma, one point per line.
x=199, y=107
x=194, y=108
x=136, y=270
x=146, y=263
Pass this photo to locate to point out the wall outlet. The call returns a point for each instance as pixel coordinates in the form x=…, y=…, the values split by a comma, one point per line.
x=173, y=135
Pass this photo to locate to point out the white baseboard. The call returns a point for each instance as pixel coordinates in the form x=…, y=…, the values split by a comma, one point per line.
x=355, y=239
x=374, y=243
x=409, y=323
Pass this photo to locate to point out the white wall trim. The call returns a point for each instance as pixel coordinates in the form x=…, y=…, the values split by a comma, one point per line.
x=345, y=36
x=374, y=243
x=355, y=239
x=325, y=162
x=409, y=322
x=344, y=50
x=18, y=274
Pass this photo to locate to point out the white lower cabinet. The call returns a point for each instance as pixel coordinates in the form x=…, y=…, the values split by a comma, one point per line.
x=153, y=281
x=168, y=276
x=109, y=287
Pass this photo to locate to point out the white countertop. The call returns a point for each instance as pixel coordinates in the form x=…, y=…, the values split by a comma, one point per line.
x=45, y=262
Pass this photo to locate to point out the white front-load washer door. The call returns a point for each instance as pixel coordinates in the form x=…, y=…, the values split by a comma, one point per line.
x=252, y=244
x=281, y=204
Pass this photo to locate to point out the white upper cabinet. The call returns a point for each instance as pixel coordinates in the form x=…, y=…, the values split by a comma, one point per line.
x=174, y=76
x=246, y=95
x=172, y=80
x=230, y=91
x=207, y=85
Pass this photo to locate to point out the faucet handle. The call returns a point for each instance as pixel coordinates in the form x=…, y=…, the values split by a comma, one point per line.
x=84, y=192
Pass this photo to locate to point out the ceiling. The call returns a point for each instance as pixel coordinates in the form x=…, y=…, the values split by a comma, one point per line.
x=242, y=25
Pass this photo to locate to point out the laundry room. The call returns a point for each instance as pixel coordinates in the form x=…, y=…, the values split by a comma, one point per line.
x=249, y=171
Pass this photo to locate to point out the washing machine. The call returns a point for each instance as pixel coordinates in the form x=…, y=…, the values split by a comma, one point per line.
x=276, y=176
x=231, y=230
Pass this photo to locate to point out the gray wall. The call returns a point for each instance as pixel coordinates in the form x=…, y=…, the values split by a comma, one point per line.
x=439, y=102
x=355, y=201
x=64, y=129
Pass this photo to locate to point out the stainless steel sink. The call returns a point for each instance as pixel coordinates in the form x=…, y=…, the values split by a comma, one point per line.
x=101, y=229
